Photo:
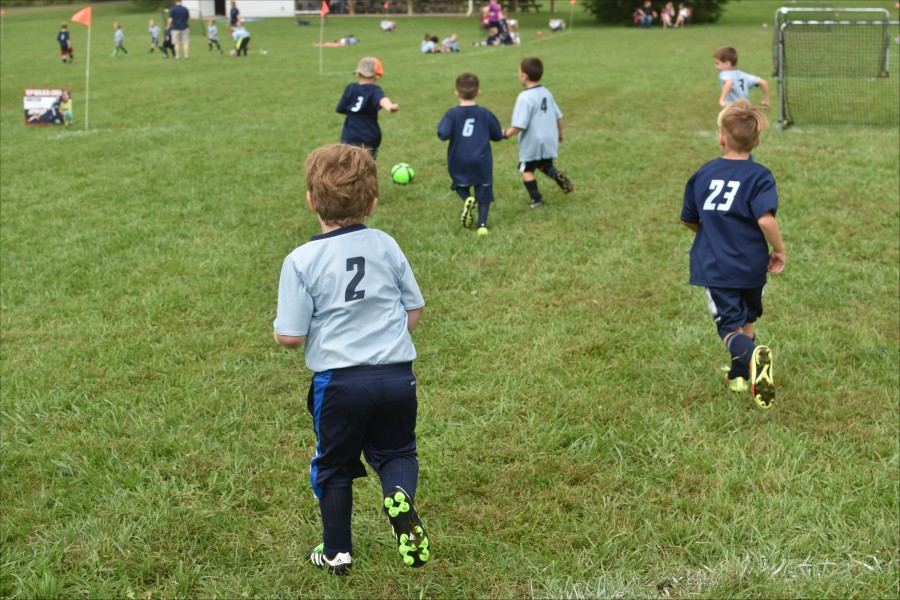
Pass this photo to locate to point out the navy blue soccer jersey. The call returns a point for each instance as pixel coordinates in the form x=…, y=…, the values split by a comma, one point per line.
x=63, y=39
x=361, y=103
x=727, y=198
x=470, y=130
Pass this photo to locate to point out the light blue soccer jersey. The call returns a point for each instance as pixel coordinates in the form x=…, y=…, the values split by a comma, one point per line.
x=742, y=84
x=535, y=114
x=348, y=291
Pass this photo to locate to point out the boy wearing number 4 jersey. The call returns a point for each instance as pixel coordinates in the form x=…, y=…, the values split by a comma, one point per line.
x=361, y=102
x=730, y=204
x=538, y=121
x=350, y=295
x=471, y=129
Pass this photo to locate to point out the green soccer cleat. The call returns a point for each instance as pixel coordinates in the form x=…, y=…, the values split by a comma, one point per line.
x=482, y=231
x=339, y=565
x=468, y=213
x=762, y=385
x=412, y=541
x=738, y=384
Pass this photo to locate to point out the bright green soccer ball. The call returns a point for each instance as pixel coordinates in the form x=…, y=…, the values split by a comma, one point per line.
x=402, y=173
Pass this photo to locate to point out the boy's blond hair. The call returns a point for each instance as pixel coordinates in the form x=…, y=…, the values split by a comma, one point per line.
x=741, y=124
x=343, y=182
x=727, y=54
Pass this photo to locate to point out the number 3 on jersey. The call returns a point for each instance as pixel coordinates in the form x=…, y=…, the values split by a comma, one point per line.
x=717, y=185
x=358, y=264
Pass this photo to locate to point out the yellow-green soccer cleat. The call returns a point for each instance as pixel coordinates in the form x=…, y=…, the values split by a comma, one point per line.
x=738, y=384
x=412, y=541
x=483, y=231
x=468, y=213
x=762, y=384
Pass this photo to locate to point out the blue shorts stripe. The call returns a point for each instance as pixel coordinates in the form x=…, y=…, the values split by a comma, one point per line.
x=320, y=382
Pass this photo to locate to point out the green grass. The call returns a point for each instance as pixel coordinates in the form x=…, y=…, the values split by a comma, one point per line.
x=574, y=435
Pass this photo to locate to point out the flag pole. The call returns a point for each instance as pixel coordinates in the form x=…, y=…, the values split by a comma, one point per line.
x=321, y=41
x=571, y=15
x=87, y=80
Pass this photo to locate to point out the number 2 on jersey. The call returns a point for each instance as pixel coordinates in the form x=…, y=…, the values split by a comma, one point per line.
x=357, y=263
x=717, y=185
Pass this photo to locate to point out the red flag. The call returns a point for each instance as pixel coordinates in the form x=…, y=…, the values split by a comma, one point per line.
x=83, y=16
x=325, y=9
x=572, y=2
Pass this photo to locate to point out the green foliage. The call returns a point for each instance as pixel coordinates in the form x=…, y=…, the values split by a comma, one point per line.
x=154, y=5
x=622, y=11
x=575, y=437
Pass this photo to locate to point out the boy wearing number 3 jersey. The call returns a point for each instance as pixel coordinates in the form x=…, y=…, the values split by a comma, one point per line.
x=730, y=204
x=361, y=102
x=471, y=129
x=350, y=295
x=538, y=121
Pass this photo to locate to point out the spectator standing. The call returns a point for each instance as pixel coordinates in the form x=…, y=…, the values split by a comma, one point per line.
x=179, y=18
x=234, y=15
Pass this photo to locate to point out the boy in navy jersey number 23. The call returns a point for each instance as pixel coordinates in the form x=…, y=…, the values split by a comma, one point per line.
x=350, y=295
x=471, y=129
x=360, y=103
x=730, y=204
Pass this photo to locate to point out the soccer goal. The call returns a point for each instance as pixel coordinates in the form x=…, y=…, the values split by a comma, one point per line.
x=835, y=70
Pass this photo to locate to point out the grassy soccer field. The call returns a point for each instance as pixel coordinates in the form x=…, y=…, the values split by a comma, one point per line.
x=575, y=436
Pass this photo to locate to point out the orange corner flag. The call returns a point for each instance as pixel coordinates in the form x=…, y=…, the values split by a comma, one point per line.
x=83, y=16
x=325, y=9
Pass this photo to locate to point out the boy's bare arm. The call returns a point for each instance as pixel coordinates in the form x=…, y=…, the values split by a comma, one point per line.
x=765, y=89
x=725, y=89
x=511, y=131
x=413, y=318
x=777, y=257
x=559, y=125
x=289, y=341
x=387, y=105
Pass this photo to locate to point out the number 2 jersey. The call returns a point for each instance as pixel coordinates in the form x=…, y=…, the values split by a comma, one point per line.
x=727, y=198
x=470, y=130
x=361, y=102
x=348, y=291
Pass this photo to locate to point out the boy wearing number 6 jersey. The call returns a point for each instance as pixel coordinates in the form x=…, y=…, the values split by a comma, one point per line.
x=361, y=102
x=539, y=123
x=730, y=204
x=350, y=295
x=471, y=129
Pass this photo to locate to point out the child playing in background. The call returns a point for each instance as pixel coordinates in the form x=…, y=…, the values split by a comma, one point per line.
x=538, y=121
x=471, y=129
x=119, y=40
x=736, y=84
x=350, y=296
x=450, y=44
x=65, y=43
x=168, y=45
x=241, y=38
x=212, y=35
x=360, y=103
x=153, y=29
x=730, y=204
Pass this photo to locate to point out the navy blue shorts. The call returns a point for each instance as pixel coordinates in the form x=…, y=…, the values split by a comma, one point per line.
x=734, y=307
x=369, y=409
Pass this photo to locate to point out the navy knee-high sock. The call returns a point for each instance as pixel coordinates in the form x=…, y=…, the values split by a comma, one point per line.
x=532, y=187
x=483, y=209
x=336, y=506
x=403, y=471
x=741, y=348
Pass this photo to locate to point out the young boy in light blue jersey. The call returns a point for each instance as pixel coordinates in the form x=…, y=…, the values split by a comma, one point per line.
x=538, y=121
x=119, y=40
x=350, y=295
x=735, y=83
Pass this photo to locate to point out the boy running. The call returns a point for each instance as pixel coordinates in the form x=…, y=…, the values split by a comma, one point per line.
x=730, y=204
